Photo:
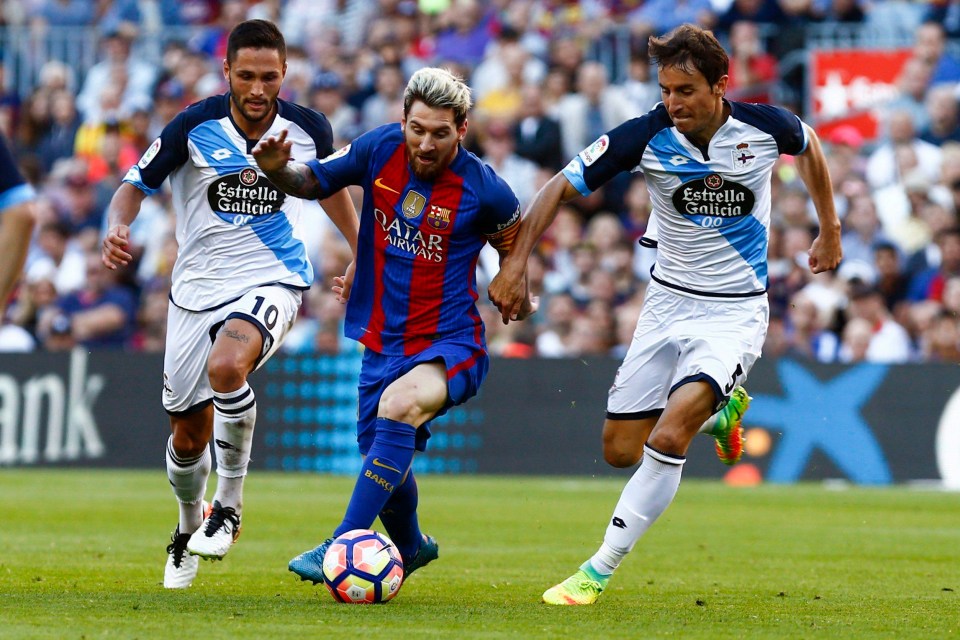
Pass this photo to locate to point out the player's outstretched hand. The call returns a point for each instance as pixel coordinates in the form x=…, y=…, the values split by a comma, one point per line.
x=273, y=153
x=343, y=284
x=114, y=249
x=508, y=291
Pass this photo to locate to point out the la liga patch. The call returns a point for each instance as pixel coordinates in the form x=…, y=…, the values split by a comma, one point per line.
x=592, y=153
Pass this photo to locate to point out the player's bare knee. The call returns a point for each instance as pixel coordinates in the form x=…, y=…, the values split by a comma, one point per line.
x=619, y=458
x=187, y=444
x=398, y=406
x=226, y=372
x=672, y=442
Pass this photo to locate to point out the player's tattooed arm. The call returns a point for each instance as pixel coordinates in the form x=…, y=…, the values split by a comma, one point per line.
x=293, y=178
x=296, y=179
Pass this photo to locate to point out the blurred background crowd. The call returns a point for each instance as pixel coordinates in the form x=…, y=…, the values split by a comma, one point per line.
x=87, y=85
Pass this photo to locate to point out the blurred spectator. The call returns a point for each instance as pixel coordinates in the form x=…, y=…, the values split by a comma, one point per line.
x=888, y=341
x=943, y=122
x=554, y=340
x=60, y=138
x=537, y=135
x=503, y=100
x=382, y=106
x=212, y=40
x=326, y=96
x=753, y=71
x=912, y=83
x=499, y=151
x=946, y=13
x=641, y=88
x=929, y=284
x=595, y=108
x=74, y=198
x=466, y=33
x=100, y=315
x=891, y=281
x=62, y=13
x=807, y=336
x=839, y=11
x=882, y=165
x=855, y=343
x=60, y=261
x=656, y=17
x=930, y=45
x=137, y=76
x=761, y=12
x=507, y=64
x=861, y=232
x=941, y=341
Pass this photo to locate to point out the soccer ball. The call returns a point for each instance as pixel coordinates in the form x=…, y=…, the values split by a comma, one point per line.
x=362, y=567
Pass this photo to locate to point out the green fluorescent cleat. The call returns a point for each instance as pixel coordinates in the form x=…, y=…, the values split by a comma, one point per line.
x=577, y=589
x=728, y=430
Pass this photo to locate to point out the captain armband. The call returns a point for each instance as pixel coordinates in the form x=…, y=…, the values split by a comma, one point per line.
x=503, y=240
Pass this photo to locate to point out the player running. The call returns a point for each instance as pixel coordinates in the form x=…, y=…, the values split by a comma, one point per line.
x=237, y=283
x=429, y=206
x=708, y=163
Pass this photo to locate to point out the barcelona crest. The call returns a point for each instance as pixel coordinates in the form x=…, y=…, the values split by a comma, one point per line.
x=438, y=217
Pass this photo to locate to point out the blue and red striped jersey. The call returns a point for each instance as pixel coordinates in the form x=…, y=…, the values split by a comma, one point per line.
x=415, y=281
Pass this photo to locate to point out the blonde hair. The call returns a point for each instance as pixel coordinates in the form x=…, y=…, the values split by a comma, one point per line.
x=438, y=89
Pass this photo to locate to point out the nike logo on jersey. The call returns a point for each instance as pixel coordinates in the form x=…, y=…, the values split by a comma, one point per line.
x=377, y=463
x=379, y=183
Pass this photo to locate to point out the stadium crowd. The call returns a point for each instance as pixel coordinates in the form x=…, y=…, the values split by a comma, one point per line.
x=541, y=95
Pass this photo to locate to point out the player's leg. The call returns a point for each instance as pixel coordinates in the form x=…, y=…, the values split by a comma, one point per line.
x=623, y=439
x=254, y=327
x=646, y=495
x=390, y=413
x=188, y=467
x=186, y=400
x=405, y=405
x=727, y=350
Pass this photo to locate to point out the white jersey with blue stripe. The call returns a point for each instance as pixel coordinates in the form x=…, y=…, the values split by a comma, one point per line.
x=711, y=207
x=235, y=229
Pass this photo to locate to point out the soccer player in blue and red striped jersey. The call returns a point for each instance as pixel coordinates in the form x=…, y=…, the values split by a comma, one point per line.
x=429, y=207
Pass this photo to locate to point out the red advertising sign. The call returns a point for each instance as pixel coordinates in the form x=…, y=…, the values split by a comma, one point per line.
x=850, y=86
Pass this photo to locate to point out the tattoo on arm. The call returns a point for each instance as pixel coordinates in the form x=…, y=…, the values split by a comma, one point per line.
x=297, y=180
x=236, y=335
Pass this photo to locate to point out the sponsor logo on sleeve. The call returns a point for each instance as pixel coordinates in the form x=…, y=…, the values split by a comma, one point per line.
x=149, y=154
x=339, y=153
x=592, y=153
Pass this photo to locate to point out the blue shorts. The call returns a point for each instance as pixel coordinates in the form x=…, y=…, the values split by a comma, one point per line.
x=466, y=365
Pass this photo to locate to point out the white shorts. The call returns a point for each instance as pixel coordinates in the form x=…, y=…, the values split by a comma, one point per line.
x=190, y=336
x=679, y=340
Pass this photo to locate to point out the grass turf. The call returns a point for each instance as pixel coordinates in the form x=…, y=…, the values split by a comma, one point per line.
x=82, y=554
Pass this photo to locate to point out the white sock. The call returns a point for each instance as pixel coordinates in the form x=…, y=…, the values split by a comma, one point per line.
x=234, y=415
x=188, y=477
x=647, y=495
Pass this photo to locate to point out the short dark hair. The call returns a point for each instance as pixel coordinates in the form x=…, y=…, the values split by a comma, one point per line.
x=256, y=34
x=691, y=48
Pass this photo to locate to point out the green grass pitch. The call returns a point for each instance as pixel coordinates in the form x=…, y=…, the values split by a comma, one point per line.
x=82, y=553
